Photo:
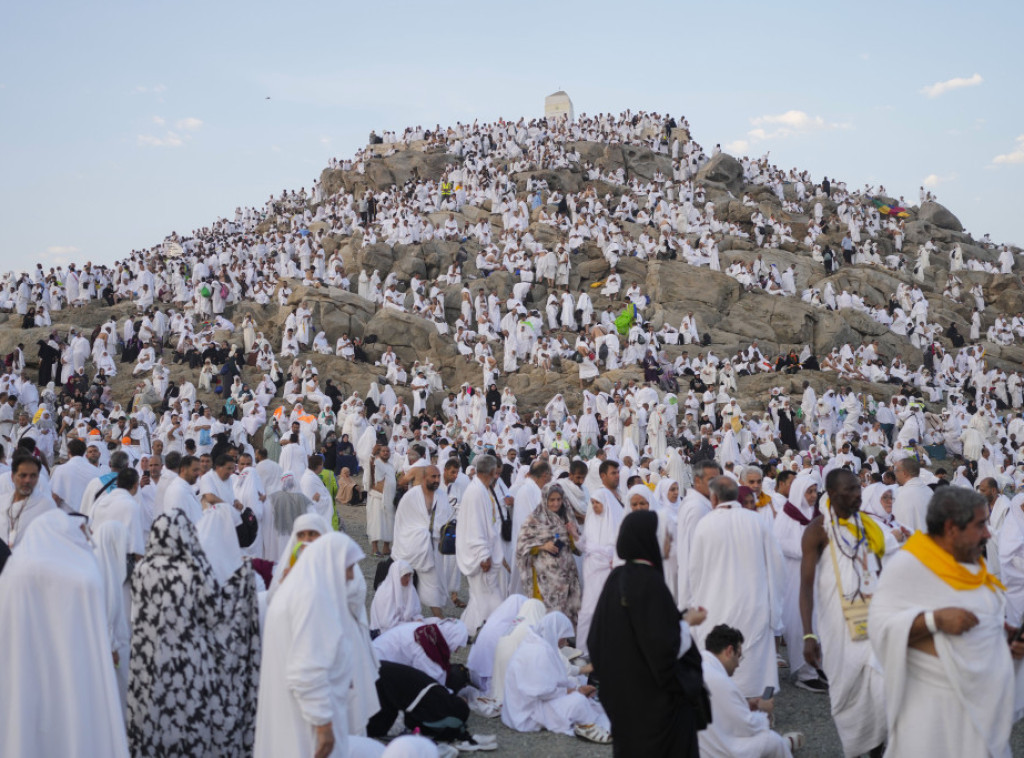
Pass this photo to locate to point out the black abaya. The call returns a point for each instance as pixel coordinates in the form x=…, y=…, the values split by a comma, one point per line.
x=787, y=432
x=654, y=698
x=49, y=356
x=438, y=713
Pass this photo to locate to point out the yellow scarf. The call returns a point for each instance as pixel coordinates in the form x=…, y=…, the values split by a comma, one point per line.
x=873, y=532
x=946, y=567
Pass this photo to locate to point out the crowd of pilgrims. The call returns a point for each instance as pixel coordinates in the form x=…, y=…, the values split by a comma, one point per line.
x=188, y=552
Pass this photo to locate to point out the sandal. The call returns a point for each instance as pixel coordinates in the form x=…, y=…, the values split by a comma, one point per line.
x=458, y=603
x=796, y=740
x=593, y=733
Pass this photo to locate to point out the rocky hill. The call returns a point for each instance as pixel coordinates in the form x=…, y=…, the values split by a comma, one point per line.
x=731, y=314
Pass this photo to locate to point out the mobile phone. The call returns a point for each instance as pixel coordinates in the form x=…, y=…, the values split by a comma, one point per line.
x=768, y=694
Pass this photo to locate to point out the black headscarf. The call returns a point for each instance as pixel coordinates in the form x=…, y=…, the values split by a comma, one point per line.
x=493, y=400
x=638, y=538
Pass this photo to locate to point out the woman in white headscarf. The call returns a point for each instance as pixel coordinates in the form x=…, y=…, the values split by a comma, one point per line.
x=282, y=509
x=540, y=693
x=678, y=470
x=309, y=659
x=320, y=344
x=530, y=613
x=480, y=661
x=58, y=667
x=396, y=600
x=959, y=478
x=110, y=543
x=666, y=504
x=876, y=501
x=306, y=529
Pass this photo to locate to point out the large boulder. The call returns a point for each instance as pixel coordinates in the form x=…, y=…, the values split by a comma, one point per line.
x=410, y=336
x=681, y=283
x=378, y=257
x=723, y=169
x=940, y=216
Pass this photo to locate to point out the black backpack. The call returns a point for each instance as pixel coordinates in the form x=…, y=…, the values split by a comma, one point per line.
x=446, y=546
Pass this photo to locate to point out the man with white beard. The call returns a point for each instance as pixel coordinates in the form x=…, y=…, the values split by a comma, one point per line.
x=478, y=545
x=692, y=508
x=937, y=625
x=422, y=513
x=736, y=573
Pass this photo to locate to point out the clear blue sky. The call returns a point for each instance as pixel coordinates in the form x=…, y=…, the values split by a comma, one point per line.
x=124, y=121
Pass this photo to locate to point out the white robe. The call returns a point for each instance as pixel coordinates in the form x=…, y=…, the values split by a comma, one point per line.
x=120, y=505
x=535, y=694
x=54, y=619
x=416, y=536
x=478, y=539
x=789, y=535
x=854, y=675
x=735, y=731
x=735, y=572
x=600, y=533
x=15, y=521
x=961, y=702
x=692, y=509
x=380, y=509
x=527, y=498
x=309, y=654
x=70, y=478
x=1011, y=560
x=910, y=506
x=393, y=603
x=313, y=487
x=480, y=660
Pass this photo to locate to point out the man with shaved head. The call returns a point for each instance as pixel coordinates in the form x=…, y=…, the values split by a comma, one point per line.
x=422, y=513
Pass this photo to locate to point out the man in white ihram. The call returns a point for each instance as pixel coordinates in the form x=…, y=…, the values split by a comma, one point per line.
x=911, y=503
x=527, y=498
x=740, y=727
x=735, y=572
x=478, y=547
x=421, y=514
x=937, y=626
x=694, y=506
